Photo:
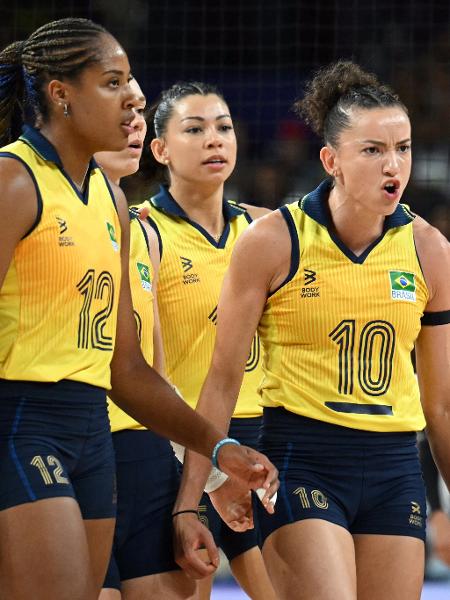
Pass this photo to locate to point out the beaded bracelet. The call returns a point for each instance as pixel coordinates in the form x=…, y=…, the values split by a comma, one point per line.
x=218, y=446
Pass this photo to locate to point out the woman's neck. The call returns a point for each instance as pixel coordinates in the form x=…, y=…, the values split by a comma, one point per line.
x=203, y=206
x=354, y=225
x=74, y=156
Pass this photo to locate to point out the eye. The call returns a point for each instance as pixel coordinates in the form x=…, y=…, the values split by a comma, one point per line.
x=114, y=82
x=404, y=148
x=225, y=128
x=193, y=130
x=140, y=111
x=371, y=150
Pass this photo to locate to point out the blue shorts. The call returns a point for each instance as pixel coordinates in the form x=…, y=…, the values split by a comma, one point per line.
x=55, y=441
x=367, y=482
x=231, y=542
x=147, y=486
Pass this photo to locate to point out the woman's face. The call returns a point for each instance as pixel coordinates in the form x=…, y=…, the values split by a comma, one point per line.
x=199, y=144
x=373, y=158
x=126, y=162
x=101, y=100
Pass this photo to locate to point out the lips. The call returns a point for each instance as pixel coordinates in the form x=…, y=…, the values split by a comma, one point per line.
x=391, y=186
x=214, y=160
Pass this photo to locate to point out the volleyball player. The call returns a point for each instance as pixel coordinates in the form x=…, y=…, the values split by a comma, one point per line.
x=61, y=268
x=142, y=564
x=195, y=147
x=341, y=285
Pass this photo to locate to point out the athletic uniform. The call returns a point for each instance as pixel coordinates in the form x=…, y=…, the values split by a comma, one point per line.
x=192, y=268
x=340, y=395
x=58, y=312
x=147, y=473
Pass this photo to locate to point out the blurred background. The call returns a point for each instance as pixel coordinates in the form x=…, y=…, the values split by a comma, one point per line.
x=259, y=54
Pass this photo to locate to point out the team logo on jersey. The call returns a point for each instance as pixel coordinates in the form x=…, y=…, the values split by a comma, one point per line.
x=112, y=236
x=308, y=290
x=187, y=265
x=63, y=240
x=310, y=276
x=415, y=518
x=144, y=274
x=403, y=286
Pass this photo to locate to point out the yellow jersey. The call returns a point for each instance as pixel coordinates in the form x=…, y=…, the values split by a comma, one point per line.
x=58, y=302
x=193, y=265
x=339, y=332
x=141, y=279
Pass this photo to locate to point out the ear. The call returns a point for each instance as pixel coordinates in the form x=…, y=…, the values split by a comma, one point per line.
x=58, y=93
x=159, y=150
x=329, y=160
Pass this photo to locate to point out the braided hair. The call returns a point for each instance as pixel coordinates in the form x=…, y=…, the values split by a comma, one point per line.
x=334, y=91
x=59, y=49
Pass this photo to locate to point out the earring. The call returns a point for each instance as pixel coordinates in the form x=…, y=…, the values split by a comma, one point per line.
x=66, y=110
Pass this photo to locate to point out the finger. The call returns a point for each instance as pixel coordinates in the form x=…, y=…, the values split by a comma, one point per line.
x=143, y=212
x=242, y=525
x=195, y=567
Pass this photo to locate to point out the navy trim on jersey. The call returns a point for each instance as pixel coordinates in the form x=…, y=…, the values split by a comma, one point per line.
x=441, y=317
x=152, y=223
x=315, y=206
x=41, y=145
x=38, y=192
x=295, y=252
x=108, y=185
x=360, y=409
x=134, y=215
x=165, y=202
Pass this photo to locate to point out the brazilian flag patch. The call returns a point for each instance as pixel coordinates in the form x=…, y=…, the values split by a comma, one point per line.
x=112, y=236
x=144, y=274
x=403, y=286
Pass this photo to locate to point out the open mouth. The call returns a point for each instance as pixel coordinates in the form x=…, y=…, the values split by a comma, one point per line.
x=392, y=187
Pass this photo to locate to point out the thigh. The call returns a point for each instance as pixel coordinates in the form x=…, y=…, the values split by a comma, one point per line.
x=250, y=571
x=311, y=559
x=99, y=534
x=45, y=552
x=389, y=566
x=175, y=585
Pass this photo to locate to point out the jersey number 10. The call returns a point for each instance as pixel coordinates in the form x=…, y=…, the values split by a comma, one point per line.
x=375, y=355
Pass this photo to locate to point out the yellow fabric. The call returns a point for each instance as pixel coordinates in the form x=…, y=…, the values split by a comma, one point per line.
x=141, y=279
x=190, y=278
x=336, y=333
x=58, y=303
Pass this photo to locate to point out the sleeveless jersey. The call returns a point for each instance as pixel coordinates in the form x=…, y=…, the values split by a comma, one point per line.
x=58, y=302
x=192, y=268
x=141, y=278
x=339, y=332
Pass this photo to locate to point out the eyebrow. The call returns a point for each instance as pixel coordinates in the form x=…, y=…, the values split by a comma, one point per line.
x=113, y=71
x=378, y=143
x=202, y=119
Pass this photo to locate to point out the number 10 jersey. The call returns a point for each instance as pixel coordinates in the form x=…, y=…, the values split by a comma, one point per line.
x=339, y=332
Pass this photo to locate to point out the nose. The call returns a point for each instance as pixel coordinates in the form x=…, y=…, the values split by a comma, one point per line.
x=391, y=164
x=213, y=138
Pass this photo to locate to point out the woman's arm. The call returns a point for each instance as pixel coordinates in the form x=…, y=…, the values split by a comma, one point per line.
x=146, y=396
x=433, y=343
x=260, y=262
x=18, y=209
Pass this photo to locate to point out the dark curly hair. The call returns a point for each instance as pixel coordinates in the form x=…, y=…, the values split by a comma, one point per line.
x=334, y=90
